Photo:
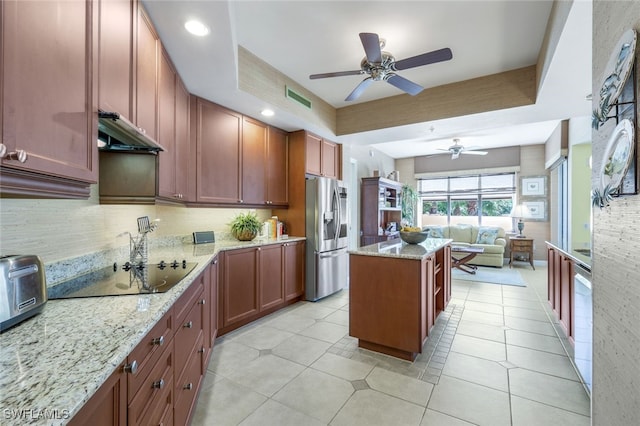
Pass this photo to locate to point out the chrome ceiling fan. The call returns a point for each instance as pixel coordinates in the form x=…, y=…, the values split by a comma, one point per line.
x=382, y=66
x=456, y=149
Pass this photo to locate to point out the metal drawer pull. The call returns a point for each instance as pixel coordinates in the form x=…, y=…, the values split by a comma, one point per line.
x=202, y=302
x=188, y=386
x=131, y=368
x=19, y=154
x=159, y=384
x=201, y=350
x=188, y=325
x=158, y=341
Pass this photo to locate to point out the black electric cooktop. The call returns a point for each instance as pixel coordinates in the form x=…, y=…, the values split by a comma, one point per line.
x=124, y=279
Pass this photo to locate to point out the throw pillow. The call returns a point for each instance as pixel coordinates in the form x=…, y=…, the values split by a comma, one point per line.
x=487, y=235
x=434, y=232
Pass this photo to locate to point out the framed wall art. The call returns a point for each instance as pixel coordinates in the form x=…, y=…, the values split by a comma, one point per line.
x=537, y=210
x=533, y=186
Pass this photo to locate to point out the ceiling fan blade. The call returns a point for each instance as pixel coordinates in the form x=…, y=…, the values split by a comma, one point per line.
x=403, y=84
x=359, y=89
x=371, y=44
x=335, y=74
x=474, y=152
x=424, y=59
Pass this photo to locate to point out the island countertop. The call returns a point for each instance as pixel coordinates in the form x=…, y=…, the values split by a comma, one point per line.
x=399, y=249
x=54, y=362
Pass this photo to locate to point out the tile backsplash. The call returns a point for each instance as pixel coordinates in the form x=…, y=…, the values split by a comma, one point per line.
x=62, y=229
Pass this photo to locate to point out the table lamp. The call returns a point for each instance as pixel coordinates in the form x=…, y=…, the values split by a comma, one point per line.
x=519, y=212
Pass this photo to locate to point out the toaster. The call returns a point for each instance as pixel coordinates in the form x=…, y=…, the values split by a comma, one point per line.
x=23, y=290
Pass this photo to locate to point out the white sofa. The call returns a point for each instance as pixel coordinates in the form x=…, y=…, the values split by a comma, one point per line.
x=467, y=235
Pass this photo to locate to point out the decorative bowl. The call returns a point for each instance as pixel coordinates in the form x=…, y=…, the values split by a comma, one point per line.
x=245, y=235
x=413, y=237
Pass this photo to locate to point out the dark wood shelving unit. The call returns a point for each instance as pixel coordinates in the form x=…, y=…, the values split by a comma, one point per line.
x=380, y=206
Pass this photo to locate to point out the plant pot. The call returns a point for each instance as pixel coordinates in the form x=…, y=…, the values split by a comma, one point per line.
x=245, y=235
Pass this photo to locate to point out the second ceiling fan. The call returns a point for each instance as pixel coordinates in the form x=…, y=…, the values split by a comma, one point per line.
x=382, y=66
x=456, y=149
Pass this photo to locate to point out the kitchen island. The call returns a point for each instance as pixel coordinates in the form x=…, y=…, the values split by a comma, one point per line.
x=396, y=291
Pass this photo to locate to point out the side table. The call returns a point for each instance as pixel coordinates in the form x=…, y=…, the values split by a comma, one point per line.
x=521, y=245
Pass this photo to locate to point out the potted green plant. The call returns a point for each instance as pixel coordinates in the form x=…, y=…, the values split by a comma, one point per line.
x=245, y=226
x=409, y=199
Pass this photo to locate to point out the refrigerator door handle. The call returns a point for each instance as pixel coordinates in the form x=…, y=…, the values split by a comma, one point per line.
x=336, y=197
x=334, y=253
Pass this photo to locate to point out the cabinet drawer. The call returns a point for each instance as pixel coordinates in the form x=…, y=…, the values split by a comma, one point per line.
x=186, y=387
x=148, y=351
x=521, y=245
x=189, y=332
x=155, y=392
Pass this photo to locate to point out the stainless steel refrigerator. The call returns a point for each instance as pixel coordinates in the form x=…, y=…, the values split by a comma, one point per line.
x=327, y=260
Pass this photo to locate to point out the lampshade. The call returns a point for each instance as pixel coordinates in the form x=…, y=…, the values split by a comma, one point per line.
x=520, y=211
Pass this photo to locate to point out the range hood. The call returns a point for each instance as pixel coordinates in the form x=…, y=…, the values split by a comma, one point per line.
x=116, y=133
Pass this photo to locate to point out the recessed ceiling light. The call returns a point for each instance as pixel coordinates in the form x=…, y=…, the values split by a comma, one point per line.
x=196, y=28
x=267, y=112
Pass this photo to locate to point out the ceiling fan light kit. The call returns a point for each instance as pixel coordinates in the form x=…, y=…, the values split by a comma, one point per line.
x=382, y=66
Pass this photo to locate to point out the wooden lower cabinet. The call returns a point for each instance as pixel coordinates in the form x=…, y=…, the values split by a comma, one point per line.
x=258, y=281
x=560, y=288
x=108, y=407
x=394, y=302
x=160, y=380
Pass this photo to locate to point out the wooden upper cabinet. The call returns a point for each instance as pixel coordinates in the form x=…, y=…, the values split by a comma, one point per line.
x=182, y=145
x=46, y=94
x=322, y=157
x=167, y=128
x=277, y=167
x=314, y=154
x=147, y=57
x=330, y=159
x=218, y=153
x=254, y=146
x=116, y=60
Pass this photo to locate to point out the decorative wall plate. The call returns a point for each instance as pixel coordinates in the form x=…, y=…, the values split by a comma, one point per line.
x=615, y=76
x=618, y=155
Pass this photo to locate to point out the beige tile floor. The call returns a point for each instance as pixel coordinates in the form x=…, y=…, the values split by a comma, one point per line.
x=493, y=358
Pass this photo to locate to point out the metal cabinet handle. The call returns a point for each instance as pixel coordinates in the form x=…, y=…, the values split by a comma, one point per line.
x=188, y=325
x=19, y=155
x=3, y=150
x=131, y=368
x=240, y=201
x=202, y=302
x=159, y=384
x=158, y=341
x=188, y=386
x=201, y=350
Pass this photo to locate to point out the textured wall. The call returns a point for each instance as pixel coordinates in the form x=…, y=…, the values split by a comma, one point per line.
x=616, y=292
x=60, y=229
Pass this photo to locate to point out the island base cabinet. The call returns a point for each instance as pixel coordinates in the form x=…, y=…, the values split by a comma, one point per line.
x=388, y=306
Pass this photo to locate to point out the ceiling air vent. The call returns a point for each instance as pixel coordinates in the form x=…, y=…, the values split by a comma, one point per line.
x=295, y=96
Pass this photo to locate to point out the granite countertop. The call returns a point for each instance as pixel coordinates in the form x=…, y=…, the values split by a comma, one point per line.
x=399, y=249
x=54, y=362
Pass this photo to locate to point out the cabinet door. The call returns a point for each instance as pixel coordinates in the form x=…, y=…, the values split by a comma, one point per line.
x=566, y=294
x=108, y=406
x=313, y=154
x=293, y=269
x=46, y=94
x=213, y=302
x=116, y=62
x=183, y=149
x=146, y=75
x=240, y=285
x=218, y=154
x=254, y=145
x=167, y=128
x=277, y=168
x=270, y=277
x=329, y=164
